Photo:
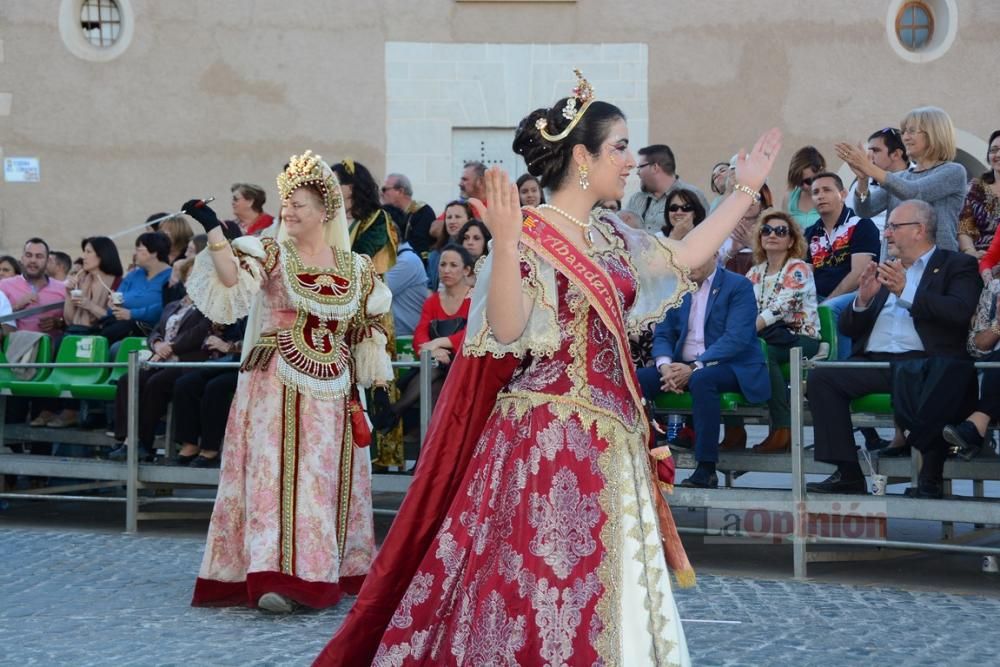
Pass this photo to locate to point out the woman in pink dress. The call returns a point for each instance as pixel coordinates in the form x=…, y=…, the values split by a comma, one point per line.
x=292, y=523
x=535, y=531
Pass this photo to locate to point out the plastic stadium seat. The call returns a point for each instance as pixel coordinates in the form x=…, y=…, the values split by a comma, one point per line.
x=828, y=330
x=105, y=391
x=42, y=356
x=875, y=404
x=73, y=349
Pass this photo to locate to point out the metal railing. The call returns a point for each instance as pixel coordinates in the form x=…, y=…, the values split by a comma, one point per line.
x=132, y=479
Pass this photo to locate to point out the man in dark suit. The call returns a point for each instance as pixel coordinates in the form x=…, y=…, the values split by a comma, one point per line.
x=709, y=346
x=916, y=304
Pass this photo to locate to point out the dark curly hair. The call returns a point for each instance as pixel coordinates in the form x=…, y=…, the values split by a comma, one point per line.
x=550, y=161
x=689, y=198
x=364, y=189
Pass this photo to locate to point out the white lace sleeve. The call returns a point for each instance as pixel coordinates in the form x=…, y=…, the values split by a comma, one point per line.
x=372, y=364
x=222, y=304
x=661, y=275
x=541, y=333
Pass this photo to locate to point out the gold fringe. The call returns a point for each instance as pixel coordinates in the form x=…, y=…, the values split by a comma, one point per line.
x=685, y=578
x=259, y=357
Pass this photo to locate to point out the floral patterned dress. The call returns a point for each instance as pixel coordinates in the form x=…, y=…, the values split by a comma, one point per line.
x=293, y=513
x=552, y=555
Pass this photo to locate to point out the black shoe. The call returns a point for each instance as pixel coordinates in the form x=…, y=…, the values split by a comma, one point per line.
x=702, y=479
x=964, y=438
x=205, y=462
x=183, y=460
x=895, y=452
x=120, y=453
x=873, y=441
x=837, y=484
x=925, y=489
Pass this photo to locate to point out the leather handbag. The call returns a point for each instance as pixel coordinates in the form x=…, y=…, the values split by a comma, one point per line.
x=445, y=328
x=361, y=430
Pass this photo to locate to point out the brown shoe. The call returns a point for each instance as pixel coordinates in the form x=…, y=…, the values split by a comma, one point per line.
x=735, y=439
x=779, y=441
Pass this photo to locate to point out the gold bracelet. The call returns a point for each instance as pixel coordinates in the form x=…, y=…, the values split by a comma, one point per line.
x=746, y=189
x=995, y=328
x=221, y=245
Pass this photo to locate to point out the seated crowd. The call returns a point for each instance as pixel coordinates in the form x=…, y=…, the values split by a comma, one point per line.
x=899, y=259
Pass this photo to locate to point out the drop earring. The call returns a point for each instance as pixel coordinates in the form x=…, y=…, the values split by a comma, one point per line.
x=584, y=181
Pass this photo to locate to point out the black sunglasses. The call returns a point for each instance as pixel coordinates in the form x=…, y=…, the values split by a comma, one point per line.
x=806, y=182
x=687, y=208
x=767, y=230
x=386, y=188
x=890, y=130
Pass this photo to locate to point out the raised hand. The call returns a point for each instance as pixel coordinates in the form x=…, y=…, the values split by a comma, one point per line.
x=752, y=168
x=868, y=285
x=197, y=209
x=503, y=217
x=856, y=158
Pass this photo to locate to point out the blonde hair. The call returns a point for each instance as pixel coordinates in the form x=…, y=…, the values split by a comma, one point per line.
x=939, y=129
x=798, y=248
x=179, y=231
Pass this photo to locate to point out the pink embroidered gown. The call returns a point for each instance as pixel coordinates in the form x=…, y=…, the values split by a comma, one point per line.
x=293, y=514
x=551, y=553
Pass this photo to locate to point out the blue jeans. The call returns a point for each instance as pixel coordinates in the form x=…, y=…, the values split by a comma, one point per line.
x=836, y=305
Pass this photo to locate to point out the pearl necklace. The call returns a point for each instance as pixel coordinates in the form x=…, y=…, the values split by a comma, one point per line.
x=575, y=221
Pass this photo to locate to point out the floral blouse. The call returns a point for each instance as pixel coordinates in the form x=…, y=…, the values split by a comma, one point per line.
x=980, y=214
x=788, y=296
x=986, y=313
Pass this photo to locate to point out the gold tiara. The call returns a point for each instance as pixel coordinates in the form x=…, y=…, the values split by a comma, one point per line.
x=309, y=169
x=576, y=106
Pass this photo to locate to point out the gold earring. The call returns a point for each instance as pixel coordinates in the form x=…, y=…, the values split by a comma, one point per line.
x=584, y=181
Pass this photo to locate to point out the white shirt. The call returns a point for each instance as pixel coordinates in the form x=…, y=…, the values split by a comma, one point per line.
x=894, y=330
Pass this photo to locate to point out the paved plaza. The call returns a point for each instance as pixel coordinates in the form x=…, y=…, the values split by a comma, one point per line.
x=76, y=597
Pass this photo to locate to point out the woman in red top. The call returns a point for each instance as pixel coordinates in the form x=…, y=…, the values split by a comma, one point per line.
x=440, y=330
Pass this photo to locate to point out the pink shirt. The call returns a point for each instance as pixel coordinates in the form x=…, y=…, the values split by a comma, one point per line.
x=16, y=288
x=694, y=344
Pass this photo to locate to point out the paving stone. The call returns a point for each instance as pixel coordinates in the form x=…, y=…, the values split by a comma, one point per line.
x=77, y=598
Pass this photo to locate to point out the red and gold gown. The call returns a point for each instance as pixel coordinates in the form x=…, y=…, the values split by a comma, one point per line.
x=293, y=513
x=547, y=546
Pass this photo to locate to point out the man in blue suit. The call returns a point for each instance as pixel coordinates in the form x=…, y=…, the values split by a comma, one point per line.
x=709, y=346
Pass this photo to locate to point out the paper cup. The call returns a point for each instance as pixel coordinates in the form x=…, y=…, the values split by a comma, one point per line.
x=117, y=298
x=878, y=484
x=76, y=293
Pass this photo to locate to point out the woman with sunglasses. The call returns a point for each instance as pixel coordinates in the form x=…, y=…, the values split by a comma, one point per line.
x=805, y=164
x=787, y=316
x=929, y=138
x=684, y=212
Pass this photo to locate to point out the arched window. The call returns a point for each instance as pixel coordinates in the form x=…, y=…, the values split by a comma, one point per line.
x=101, y=22
x=915, y=25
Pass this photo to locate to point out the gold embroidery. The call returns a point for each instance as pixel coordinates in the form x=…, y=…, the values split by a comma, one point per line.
x=608, y=608
x=289, y=461
x=303, y=293
x=345, y=488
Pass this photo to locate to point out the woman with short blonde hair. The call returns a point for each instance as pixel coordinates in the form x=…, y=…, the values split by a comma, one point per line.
x=929, y=138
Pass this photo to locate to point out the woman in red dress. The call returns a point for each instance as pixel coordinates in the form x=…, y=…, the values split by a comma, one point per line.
x=535, y=531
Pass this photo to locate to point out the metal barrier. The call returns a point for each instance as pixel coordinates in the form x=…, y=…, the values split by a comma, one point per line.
x=130, y=475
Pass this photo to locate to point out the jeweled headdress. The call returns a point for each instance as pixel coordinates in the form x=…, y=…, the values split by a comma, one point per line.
x=576, y=106
x=309, y=169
